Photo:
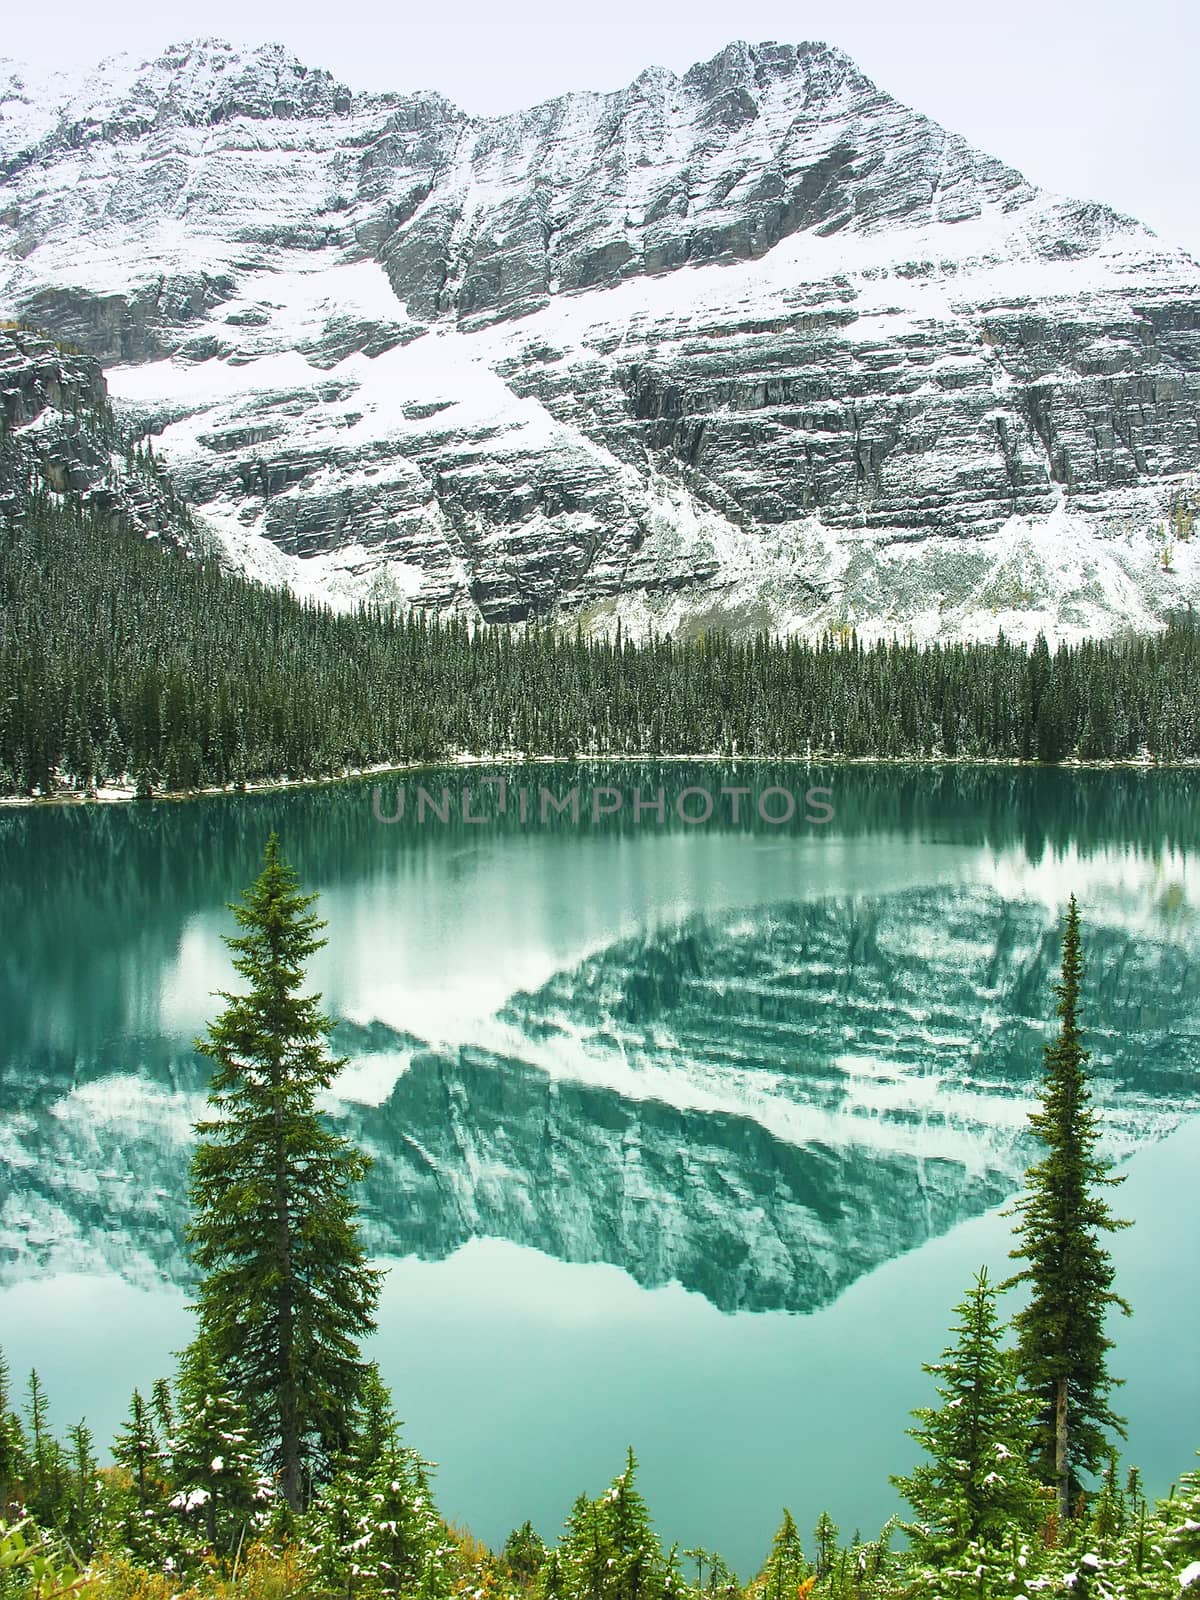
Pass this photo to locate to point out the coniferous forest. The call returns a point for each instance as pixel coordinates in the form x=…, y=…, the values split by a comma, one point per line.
x=123, y=661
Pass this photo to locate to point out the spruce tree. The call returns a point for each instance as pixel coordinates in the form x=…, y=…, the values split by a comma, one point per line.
x=1062, y=1346
x=219, y=1485
x=375, y=1528
x=47, y=1489
x=637, y=1571
x=610, y=1550
x=1179, y=1516
x=550, y=1583
x=136, y=1448
x=399, y=1543
x=785, y=1569
x=12, y=1445
x=825, y=1543
x=81, y=1520
x=524, y=1554
x=376, y=1426
x=286, y=1292
x=976, y=1487
x=1110, y=1511
x=162, y=1406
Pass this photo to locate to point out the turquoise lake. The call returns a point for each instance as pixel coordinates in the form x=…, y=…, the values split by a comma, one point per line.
x=687, y=1135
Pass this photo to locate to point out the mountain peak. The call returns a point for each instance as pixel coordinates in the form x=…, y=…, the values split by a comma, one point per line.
x=755, y=343
x=194, y=81
x=209, y=80
x=742, y=65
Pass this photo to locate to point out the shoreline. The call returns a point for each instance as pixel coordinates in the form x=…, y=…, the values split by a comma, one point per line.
x=126, y=795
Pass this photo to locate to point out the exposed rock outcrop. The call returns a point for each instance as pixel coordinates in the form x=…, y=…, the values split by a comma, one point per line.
x=755, y=345
x=58, y=433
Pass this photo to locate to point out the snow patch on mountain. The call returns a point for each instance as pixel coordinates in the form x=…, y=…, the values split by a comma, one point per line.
x=752, y=346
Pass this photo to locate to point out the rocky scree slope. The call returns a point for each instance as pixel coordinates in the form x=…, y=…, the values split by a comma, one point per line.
x=755, y=345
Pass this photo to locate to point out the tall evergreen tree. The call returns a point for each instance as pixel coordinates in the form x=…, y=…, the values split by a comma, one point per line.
x=81, y=1520
x=1062, y=1346
x=825, y=1543
x=286, y=1292
x=976, y=1487
x=47, y=1488
x=136, y=1448
x=785, y=1569
x=12, y=1444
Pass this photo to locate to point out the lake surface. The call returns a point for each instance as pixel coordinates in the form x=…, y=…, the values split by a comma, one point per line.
x=686, y=1135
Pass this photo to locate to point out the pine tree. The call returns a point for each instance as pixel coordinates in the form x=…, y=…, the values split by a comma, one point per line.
x=785, y=1568
x=13, y=1462
x=340, y=1527
x=399, y=1544
x=375, y=1527
x=551, y=1583
x=81, y=1522
x=825, y=1538
x=47, y=1490
x=1109, y=1513
x=219, y=1484
x=1051, y=736
x=1180, y=1517
x=376, y=1428
x=162, y=1406
x=637, y=1564
x=286, y=1292
x=584, y=1551
x=702, y=1558
x=524, y=1554
x=722, y=1581
x=976, y=1487
x=610, y=1551
x=1062, y=1347
x=138, y=1450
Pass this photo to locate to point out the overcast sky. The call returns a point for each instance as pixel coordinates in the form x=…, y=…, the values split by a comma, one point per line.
x=1096, y=100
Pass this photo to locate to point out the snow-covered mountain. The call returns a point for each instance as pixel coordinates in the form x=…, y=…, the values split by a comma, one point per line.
x=752, y=345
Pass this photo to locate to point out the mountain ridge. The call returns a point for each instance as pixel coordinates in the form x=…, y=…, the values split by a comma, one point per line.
x=753, y=345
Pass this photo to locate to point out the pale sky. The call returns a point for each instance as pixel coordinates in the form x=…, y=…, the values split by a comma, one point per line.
x=1095, y=100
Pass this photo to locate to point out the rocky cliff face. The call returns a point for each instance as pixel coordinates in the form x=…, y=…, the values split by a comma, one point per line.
x=58, y=433
x=753, y=345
